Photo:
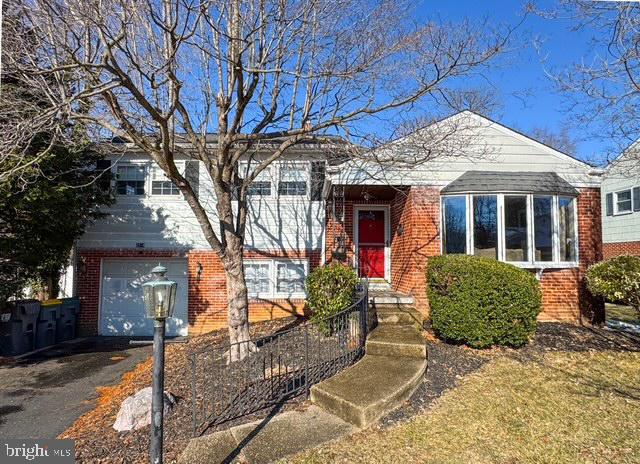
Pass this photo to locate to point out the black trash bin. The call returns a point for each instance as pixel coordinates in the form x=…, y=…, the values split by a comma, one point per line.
x=66, y=324
x=46, y=329
x=18, y=327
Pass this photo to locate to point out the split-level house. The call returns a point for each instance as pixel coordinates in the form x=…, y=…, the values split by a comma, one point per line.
x=490, y=192
x=621, y=205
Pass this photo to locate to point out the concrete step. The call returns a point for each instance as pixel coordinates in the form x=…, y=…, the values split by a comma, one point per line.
x=403, y=341
x=399, y=314
x=370, y=389
x=390, y=298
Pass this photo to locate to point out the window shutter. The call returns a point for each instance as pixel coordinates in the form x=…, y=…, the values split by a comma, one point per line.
x=636, y=198
x=609, y=204
x=192, y=174
x=103, y=169
x=318, y=169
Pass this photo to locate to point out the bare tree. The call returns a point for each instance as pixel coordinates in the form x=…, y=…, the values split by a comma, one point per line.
x=561, y=140
x=265, y=75
x=603, y=89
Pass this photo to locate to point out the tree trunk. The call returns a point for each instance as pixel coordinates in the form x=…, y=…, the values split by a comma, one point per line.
x=238, y=303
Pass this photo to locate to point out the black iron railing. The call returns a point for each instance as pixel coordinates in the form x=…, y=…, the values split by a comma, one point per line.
x=285, y=365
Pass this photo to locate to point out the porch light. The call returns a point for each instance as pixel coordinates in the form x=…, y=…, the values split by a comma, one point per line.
x=159, y=295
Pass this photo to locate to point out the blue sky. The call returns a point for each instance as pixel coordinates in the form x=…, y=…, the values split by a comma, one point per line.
x=525, y=94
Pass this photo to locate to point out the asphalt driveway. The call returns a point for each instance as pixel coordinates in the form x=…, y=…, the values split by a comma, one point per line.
x=41, y=395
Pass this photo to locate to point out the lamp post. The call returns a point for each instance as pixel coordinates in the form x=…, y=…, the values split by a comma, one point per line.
x=159, y=300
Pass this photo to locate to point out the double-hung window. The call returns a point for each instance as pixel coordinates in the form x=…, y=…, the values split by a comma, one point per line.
x=290, y=277
x=294, y=178
x=623, y=202
x=529, y=230
x=276, y=278
x=160, y=183
x=261, y=185
x=258, y=278
x=130, y=179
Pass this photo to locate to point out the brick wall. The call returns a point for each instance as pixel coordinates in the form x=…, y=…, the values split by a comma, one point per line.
x=611, y=250
x=415, y=216
x=207, y=293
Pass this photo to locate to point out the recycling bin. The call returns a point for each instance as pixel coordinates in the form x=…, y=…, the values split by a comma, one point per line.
x=66, y=323
x=47, y=322
x=18, y=327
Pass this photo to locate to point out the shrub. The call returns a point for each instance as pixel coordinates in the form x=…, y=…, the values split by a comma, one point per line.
x=616, y=280
x=481, y=301
x=330, y=289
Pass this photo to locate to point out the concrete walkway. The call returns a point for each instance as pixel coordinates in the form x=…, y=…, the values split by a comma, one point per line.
x=392, y=368
x=267, y=440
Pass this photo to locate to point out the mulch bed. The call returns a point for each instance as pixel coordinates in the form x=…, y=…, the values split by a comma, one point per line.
x=449, y=363
x=96, y=440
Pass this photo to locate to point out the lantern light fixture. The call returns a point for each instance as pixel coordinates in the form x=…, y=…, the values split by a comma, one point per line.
x=159, y=295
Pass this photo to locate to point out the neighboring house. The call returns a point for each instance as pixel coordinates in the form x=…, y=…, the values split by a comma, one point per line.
x=621, y=208
x=497, y=193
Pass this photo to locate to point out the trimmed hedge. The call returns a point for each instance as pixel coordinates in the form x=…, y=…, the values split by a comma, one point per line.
x=482, y=302
x=617, y=280
x=330, y=289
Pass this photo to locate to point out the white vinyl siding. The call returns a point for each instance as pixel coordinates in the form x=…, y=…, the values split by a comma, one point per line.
x=167, y=221
x=618, y=227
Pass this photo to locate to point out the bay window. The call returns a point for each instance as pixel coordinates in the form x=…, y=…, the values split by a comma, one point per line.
x=454, y=238
x=516, y=237
x=485, y=225
x=566, y=230
x=529, y=230
x=543, y=228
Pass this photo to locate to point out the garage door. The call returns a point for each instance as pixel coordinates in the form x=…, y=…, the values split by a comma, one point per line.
x=122, y=308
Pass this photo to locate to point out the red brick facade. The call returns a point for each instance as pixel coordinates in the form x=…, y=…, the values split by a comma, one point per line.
x=207, y=293
x=415, y=236
x=611, y=250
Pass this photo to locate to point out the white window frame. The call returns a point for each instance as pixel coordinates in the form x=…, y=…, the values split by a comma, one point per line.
x=531, y=263
x=302, y=166
x=296, y=295
x=268, y=171
x=181, y=165
x=269, y=263
x=273, y=276
x=616, y=210
x=144, y=165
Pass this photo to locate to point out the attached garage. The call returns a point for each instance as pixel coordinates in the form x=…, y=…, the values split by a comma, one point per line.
x=121, y=305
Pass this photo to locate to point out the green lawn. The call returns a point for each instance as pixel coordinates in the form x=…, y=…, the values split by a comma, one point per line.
x=621, y=313
x=557, y=408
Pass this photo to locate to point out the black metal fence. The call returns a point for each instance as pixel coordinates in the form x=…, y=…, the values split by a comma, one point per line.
x=285, y=365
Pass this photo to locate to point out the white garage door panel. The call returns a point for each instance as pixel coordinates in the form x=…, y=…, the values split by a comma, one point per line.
x=122, y=308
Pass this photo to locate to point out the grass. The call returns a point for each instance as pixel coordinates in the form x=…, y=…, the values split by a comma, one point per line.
x=557, y=408
x=622, y=313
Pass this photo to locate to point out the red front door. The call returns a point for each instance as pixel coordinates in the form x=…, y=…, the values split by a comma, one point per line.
x=371, y=243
